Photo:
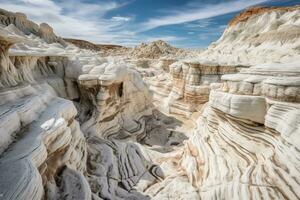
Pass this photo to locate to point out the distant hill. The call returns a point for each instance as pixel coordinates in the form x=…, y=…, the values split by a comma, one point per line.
x=83, y=44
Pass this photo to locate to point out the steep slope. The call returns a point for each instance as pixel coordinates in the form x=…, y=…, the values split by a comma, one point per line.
x=270, y=36
x=78, y=125
x=246, y=141
x=40, y=126
x=246, y=145
x=41, y=140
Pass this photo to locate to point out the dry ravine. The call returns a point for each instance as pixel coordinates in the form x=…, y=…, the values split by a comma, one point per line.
x=154, y=121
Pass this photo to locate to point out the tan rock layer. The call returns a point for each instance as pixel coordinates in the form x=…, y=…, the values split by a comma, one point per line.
x=245, y=15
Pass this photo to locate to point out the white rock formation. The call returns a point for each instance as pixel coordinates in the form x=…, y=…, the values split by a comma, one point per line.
x=75, y=125
x=270, y=36
x=246, y=145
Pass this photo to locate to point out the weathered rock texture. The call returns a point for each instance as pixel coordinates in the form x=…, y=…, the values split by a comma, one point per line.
x=43, y=150
x=245, y=145
x=271, y=36
x=265, y=36
x=185, y=86
x=77, y=125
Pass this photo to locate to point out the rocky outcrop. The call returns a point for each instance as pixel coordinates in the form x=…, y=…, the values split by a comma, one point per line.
x=260, y=39
x=118, y=97
x=250, y=12
x=91, y=46
x=158, y=49
x=42, y=147
x=223, y=125
x=40, y=126
x=245, y=143
x=186, y=86
x=152, y=50
x=28, y=27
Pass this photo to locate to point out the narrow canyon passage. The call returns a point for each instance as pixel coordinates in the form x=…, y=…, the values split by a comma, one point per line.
x=84, y=122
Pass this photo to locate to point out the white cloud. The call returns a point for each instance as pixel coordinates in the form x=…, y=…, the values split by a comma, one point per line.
x=191, y=14
x=74, y=20
x=202, y=23
x=90, y=21
x=118, y=19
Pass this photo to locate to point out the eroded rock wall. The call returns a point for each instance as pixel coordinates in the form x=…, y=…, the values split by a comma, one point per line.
x=75, y=125
x=245, y=145
x=43, y=150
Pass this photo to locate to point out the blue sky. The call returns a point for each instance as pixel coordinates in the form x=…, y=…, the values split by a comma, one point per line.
x=183, y=23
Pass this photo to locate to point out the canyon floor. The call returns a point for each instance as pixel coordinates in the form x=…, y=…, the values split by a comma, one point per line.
x=85, y=121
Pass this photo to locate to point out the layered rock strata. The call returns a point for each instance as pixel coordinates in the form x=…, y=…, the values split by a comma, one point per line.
x=75, y=125
x=186, y=85
x=42, y=148
x=245, y=144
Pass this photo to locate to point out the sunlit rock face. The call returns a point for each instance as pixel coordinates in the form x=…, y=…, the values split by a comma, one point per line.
x=269, y=35
x=245, y=144
x=155, y=122
x=119, y=99
x=27, y=27
x=42, y=139
x=43, y=150
x=185, y=86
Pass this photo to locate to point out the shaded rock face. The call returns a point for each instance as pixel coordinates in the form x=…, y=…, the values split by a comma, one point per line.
x=75, y=125
x=118, y=97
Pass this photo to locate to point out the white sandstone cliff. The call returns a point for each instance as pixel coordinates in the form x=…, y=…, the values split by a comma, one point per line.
x=222, y=123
